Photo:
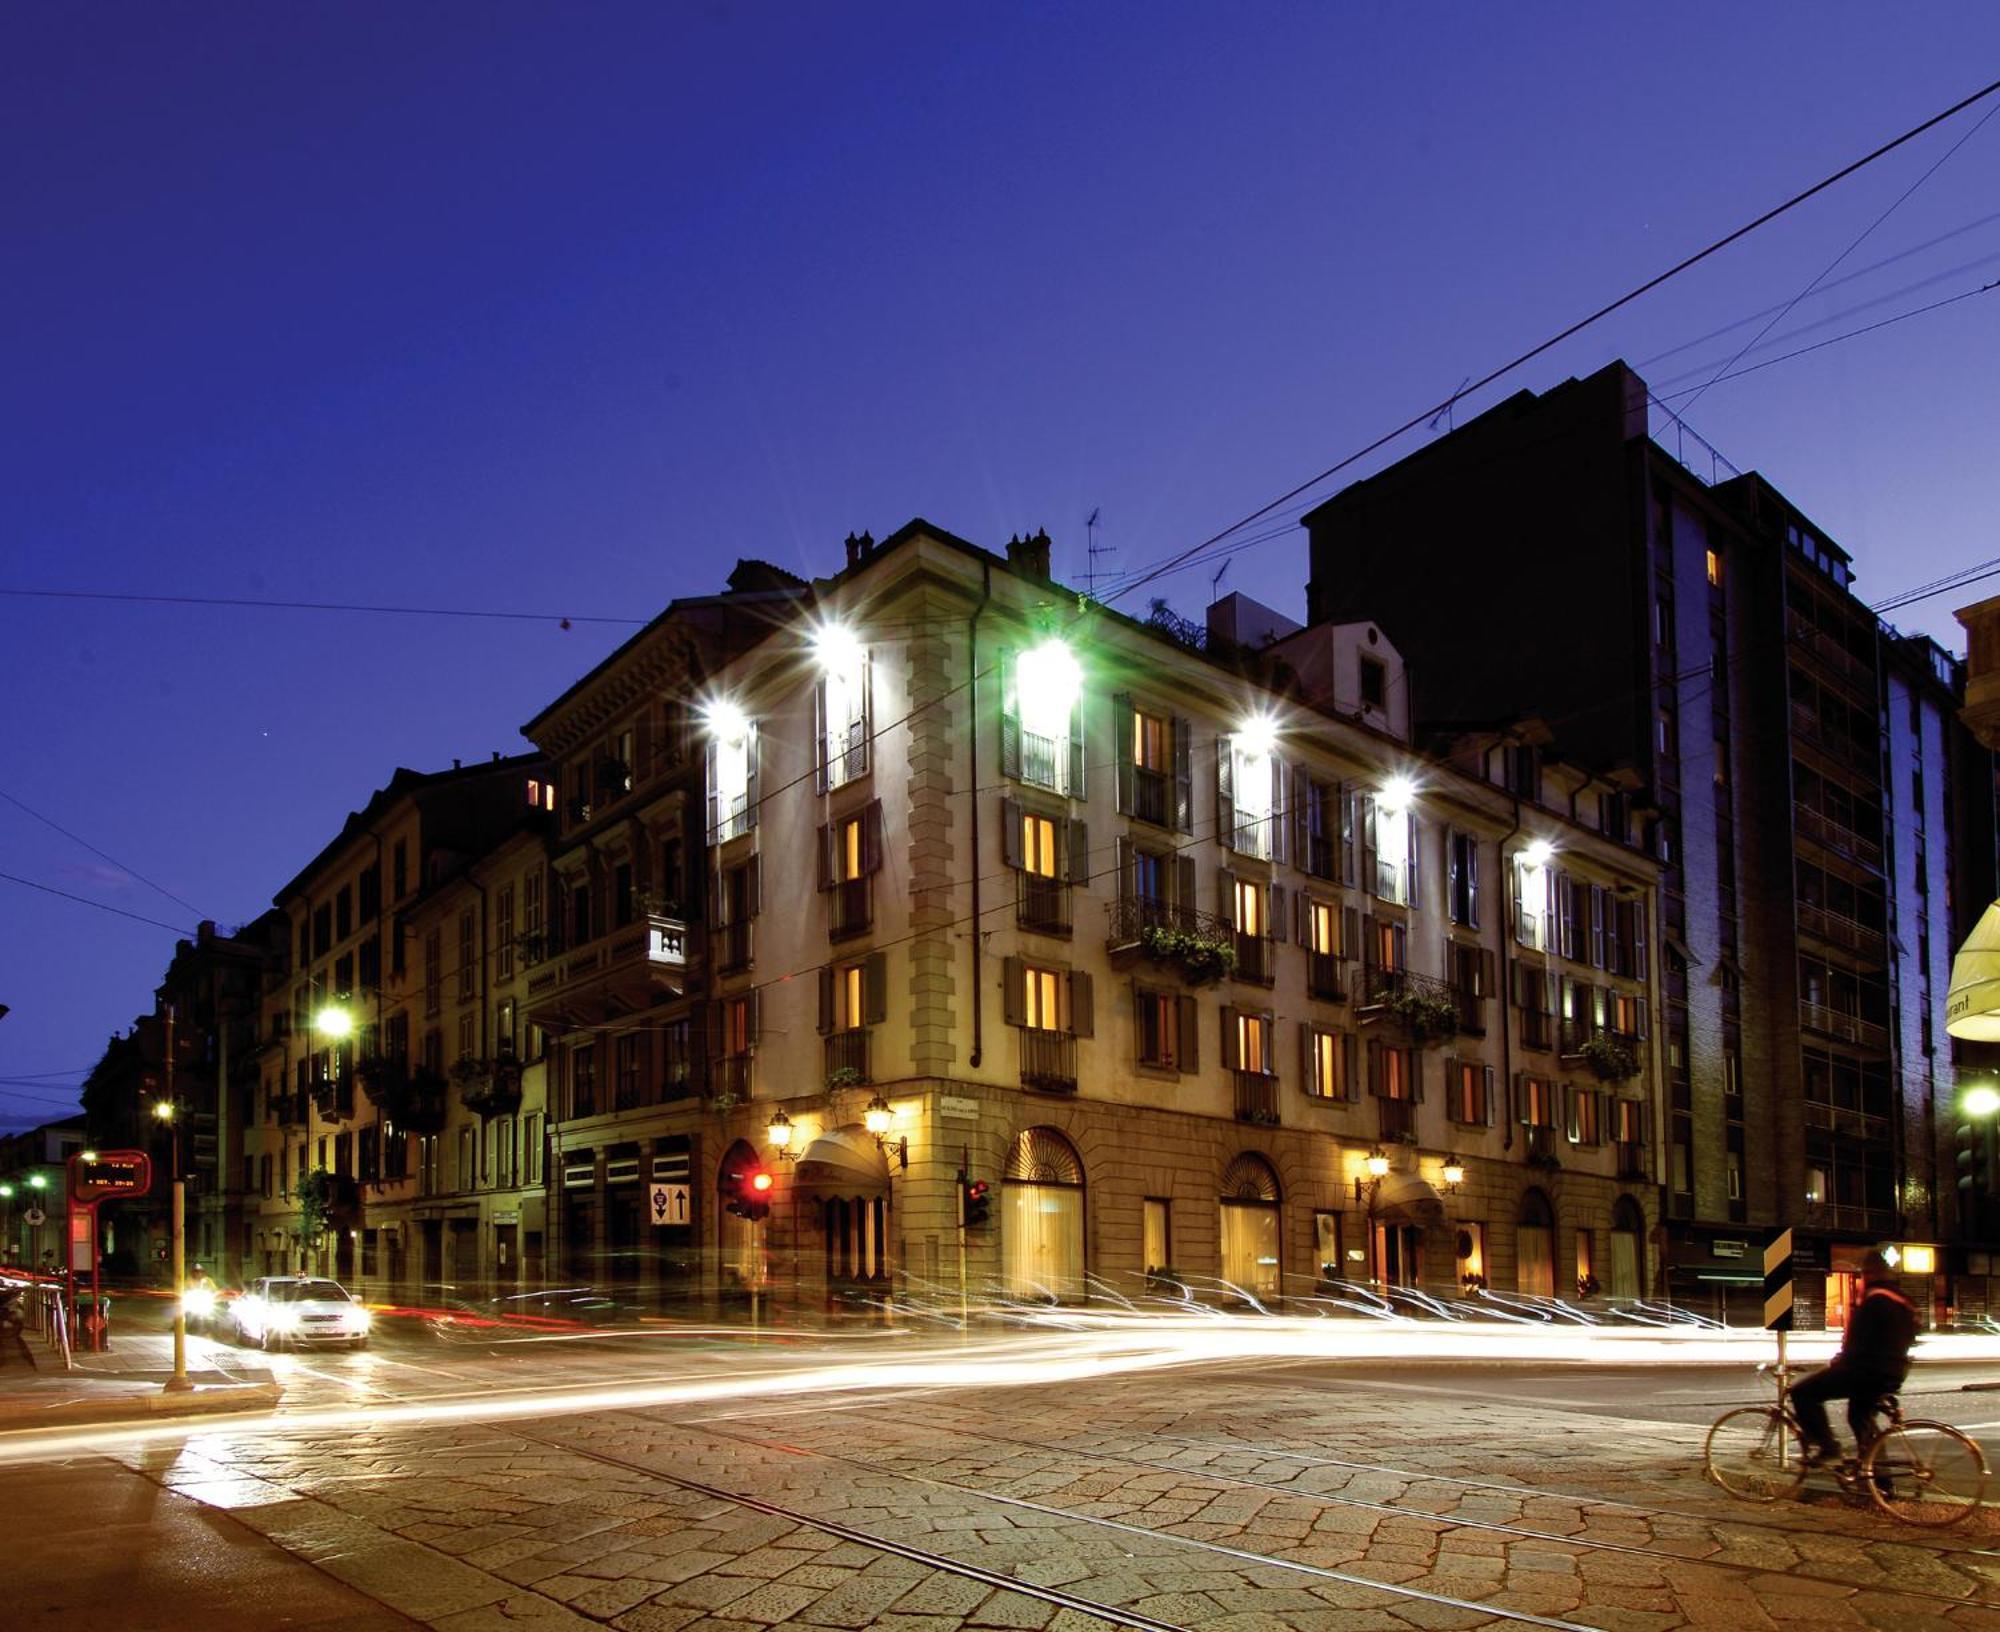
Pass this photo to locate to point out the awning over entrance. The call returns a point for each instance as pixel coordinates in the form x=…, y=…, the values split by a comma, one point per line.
x=1406, y=1199
x=846, y=1160
x=1972, y=1006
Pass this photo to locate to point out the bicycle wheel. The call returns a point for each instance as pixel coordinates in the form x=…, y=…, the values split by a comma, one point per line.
x=1756, y=1453
x=1924, y=1473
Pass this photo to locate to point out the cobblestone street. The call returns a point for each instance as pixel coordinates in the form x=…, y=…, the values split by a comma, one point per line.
x=1241, y=1500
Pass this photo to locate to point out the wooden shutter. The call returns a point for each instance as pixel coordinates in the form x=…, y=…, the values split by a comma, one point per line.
x=752, y=752
x=875, y=988
x=827, y=870
x=1412, y=859
x=1232, y=1054
x=1275, y=915
x=1124, y=731
x=1188, y=1044
x=819, y=754
x=1488, y=972
x=1010, y=715
x=1281, y=812
x=1488, y=1097
x=750, y=1015
x=1076, y=852
x=1128, y=872
x=1413, y=1060
x=1371, y=877
x=1471, y=880
x=1184, y=883
x=1371, y=946
x=1082, y=1015
x=864, y=751
x=825, y=998
x=1307, y=1082
x=1350, y=1086
x=1076, y=741
x=1639, y=939
x=1453, y=1091
x=1010, y=832
x=1225, y=897
x=714, y=795
x=1014, y=981
x=1345, y=869
x=1350, y=933
x=1183, y=775
x=1225, y=791
x=1451, y=874
x=1375, y=1067
x=871, y=837
x=1596, y=927
x=1302, y=818
x=712, y=1027
x=1569, y=1111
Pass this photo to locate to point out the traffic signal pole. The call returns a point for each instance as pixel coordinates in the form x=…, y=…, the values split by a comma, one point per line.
x=179, y=1382
x=964, y=1310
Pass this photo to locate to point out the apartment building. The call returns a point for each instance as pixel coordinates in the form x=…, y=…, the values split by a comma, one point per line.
x=353, y=1096
x=1820, y=818
x=931, y=870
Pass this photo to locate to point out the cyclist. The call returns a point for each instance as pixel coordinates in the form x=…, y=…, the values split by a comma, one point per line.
x=1874, y=1359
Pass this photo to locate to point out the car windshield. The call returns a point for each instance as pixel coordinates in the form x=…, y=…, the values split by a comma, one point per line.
x=307, y=1292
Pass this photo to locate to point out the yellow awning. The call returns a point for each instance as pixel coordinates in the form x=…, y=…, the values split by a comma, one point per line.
x=1972, y=1006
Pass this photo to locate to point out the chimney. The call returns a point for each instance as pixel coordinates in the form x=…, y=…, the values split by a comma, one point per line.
x=860, y=546
x=1030, y=556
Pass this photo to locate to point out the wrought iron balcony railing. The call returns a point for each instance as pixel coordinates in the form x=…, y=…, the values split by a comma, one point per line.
x=1048, y=1059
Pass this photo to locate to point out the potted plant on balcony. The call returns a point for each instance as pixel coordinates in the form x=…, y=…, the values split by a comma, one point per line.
x=384, y=1081
x=1203, y=959
x=845, y=1076
x=1427, y=1016
x=1609, y=1059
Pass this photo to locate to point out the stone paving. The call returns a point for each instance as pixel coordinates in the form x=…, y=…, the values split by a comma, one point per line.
x=1250, y=1504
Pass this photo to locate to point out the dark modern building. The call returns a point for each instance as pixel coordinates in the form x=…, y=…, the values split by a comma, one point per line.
x=1824, y=823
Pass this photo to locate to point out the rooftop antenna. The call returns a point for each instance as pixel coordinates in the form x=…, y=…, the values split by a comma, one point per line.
x=1215, y=583
x=1448, y=412
x=1093, y=549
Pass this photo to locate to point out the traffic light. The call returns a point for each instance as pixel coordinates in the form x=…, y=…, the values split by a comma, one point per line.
x=973, y=1200
x=747, y=1192
x=1975, y=1160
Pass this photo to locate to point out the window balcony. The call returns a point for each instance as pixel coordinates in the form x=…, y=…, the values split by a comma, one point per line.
x=1043, y=761
x=1631, y=1159
x=1149, y=796
x=1574, y=1034
x=1875, y=1221
x=1537, y=1029
x=1256, y=1098
x=1471, y=1011
x=1048, y=1059
x=850, y=908
x=1255, y=959
x=1849, y=1028
x=1832, y=835
x=1319, y=856
x=1326, y=977
x=1849, y=934
x=729, y=1077
x=845, y=1055
x=1398, y=1120
x=1042, y=904
x=333, y=1098
x=630, y=967
x=1541, y=1144
x=732, y=947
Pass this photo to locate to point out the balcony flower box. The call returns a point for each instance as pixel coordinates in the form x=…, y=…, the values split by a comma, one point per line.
x=1202, y=959
x=494, y=1089
x=1426, y=1015
x=1609, y=1059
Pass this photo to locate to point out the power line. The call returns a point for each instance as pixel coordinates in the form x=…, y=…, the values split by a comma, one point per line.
x=561, y=619
x=49, y=889
x=132, y=872
x=1430, y=412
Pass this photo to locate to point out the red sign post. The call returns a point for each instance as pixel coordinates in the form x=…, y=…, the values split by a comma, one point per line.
x=94, y=1176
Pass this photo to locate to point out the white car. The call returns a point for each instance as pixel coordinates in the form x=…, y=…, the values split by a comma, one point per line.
x=283, y=1309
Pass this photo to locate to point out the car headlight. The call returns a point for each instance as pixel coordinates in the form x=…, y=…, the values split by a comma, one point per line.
x=359, y=1318
x=281, y=1320
x=198, y=1301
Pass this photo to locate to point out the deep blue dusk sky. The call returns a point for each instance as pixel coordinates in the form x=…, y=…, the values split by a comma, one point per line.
x=559, y=309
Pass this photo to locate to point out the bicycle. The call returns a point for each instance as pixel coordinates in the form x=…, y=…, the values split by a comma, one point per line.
x=1914, y=1470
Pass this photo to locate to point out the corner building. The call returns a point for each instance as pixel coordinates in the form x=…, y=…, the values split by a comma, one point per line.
x=1164, y=932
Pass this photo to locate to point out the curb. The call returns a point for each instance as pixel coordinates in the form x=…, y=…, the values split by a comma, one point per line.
x=142, y=1407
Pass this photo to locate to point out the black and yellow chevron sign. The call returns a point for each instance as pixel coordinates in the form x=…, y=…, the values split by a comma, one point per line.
x=1778, y=1283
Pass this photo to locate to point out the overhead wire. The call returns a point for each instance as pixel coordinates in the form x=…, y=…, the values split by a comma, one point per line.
x=101, y=855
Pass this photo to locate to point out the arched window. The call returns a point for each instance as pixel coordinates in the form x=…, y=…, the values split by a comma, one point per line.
x=1535, y=1245
x=1252, y=1215
x=1041, y=1227
x=1628, y=1259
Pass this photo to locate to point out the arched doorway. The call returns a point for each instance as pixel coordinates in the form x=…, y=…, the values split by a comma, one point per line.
x=1535, y=1245
x=1041, y=1230
x=841, y=1183
x=1628, y=1261
x=1252, y=1217
x=739, y=1241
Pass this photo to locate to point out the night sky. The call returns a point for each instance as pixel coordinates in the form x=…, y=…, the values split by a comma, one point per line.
x=557, y=310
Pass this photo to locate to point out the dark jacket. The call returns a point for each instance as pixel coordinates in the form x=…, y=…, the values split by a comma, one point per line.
x=1880, y=1333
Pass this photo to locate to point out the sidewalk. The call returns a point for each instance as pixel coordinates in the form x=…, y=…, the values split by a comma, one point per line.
x=125, y=1383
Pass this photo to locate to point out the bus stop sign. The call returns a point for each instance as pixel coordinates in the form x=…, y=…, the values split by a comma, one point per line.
x=109, y=1173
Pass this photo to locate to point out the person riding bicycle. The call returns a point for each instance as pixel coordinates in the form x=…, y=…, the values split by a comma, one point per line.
x=1874, y=1359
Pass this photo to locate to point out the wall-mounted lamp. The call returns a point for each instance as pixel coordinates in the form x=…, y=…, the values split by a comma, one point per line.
x=779, y=1131
x=1454, y=1172
x=1378, y=1170
x=878, y=1118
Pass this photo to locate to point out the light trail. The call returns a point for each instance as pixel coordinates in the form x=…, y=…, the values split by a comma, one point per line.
x=1113, y=1344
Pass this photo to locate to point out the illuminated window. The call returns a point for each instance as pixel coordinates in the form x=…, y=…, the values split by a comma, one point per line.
x=1249, y=794
x=1331, y=1056
x=732, y=775
x=1587, y=1116
x=1039, y=740
x=1468, y=1086
x=1393, y=833
x=1038, y=845
x=1150, y=735
x=1165, y=1022
x=1155, y=1246
x=1041, y=999
x=1714, y=569
x=1538, y=1102
x=843, y=704
x=1250, y=915
x=1253, y=1042
x=1322, y=928
x=848, y=1009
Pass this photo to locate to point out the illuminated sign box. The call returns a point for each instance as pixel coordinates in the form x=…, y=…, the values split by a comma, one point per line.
x=110, y=1173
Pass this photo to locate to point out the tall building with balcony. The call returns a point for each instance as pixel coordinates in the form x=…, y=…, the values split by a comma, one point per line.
x=930, y=872
x=1578, y=558
x=353, y=1096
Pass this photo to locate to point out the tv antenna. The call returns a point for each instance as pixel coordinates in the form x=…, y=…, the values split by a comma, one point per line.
x=1092, y=550
x=1448, y=412
x=1215, y=583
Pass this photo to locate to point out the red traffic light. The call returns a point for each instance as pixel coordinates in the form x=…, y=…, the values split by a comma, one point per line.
x=760, y=1181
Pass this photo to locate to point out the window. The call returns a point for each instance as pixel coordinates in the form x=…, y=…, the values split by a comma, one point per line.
x=468, y=956
x=1154, y=762
x=468, y=1035
x=1391, y=836
x=1374, y=683
x=1537, y=1102
x=1247, y=1042
x=1714, y=570
x=1156, y=1236
x=1735, y=1171
x=1165, y=1025
x=1393, y=1072
x=1627, y=1015
x=399, y=869
x=468, y=1146
x=843, y=704
x=531, y=1148
x=1586, y=1126
x=1323, y=928
x=1534, y=1246
x=433, y=972
x=627, y=1087
x=503, y=933
x=1462, y=849
x=503, y=1027
x=583, y=1080
x=732, y=777
x=1038, y=845
x=1468, y=1092
x=1041, y=1006
x=1533, y=918
x=1041, y=719
x=1329, y=1064
x=850, y=855
x=1250, y=795
x=1247, y=907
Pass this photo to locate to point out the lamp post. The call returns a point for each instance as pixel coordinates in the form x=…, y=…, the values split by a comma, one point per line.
x=1377, y=1165
x=1978, y=1113
x=163, y=1110
x=334, y=1025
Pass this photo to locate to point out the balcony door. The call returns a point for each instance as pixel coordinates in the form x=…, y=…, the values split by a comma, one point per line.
x=1041, y=1224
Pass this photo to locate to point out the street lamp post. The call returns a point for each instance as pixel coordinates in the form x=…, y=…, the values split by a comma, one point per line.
x=163, y=1109
x=335, y=1025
